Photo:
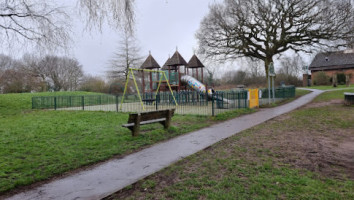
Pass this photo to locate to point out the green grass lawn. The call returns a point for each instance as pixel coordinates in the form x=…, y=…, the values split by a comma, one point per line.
x=291, y=157
x=39, y=144
x=300, y=92
x=327, y=96
x=329, y=87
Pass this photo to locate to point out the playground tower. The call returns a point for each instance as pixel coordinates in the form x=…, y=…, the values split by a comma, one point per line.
x=175, y=68
x=195, y=65
x=175, y=64
x=150, y=63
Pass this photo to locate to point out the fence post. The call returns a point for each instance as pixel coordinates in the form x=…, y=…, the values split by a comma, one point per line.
x=212, y=105
x=157, y=100
x=117, y=106
x=245, y=97
x=83, y=102
x=55, y=103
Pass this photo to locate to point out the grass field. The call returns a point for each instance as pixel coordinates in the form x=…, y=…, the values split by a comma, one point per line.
x=305, y=154
x=39, y=144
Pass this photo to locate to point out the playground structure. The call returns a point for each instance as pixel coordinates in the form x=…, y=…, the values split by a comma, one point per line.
x=176, y=76
x=174, y=85
x=177, y=72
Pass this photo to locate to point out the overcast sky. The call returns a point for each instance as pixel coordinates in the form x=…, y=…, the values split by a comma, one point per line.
x=162, y=25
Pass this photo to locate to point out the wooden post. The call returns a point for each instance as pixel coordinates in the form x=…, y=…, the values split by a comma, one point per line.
x=334, y=80
x=167, y=123
x=136, y=127
x=150, y=81
x=143, y=82
x=202, y=76
x=197, y=73
x=179, y=78
x=169, y=74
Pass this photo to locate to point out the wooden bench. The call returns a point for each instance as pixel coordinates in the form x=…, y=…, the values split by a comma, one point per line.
x=137, y=119
x=348, y=98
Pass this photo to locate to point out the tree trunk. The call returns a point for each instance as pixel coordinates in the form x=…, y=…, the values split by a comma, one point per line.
x=267, y=61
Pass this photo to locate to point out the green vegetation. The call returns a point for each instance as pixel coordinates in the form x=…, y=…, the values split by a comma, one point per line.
x=300, y=92
x=38, y=144
x=321, y=78
x=18, y=103
x=329, y=87
x=332, y=95
x=269, y=161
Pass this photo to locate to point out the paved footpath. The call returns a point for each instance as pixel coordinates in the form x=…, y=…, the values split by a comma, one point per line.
x=114, y=175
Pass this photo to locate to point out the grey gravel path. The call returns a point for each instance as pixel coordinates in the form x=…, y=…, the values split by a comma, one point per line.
x=114, y=175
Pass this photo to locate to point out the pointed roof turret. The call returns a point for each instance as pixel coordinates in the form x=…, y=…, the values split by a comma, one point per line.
x=165, y=66
x=150, y=63
x=194, y=62
x=176, y=60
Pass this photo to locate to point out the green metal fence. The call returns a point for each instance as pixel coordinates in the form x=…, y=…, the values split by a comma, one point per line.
x=57, y=102
x=280, y=92
x=189, y=102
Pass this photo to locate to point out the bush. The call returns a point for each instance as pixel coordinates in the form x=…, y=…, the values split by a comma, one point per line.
x=321, y=78
x=287, y=80
x=341, y=79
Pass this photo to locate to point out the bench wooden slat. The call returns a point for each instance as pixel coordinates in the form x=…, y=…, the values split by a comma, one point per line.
x=143, y=118
x=145, y=122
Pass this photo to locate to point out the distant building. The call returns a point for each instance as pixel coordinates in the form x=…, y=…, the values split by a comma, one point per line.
x=334, y=63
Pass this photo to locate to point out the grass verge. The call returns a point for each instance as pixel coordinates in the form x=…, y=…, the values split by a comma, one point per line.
x=332, y=95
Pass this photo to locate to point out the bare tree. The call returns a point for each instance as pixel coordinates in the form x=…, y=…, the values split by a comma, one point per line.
x=13, y=77
x=291, y=66
x=61, y=72
x=118, y=13
x=36, y=23
x=261, y=29
x=93, y=84
x=126, y=56
x=45, y=25
x=254, y=67
x=72, y=73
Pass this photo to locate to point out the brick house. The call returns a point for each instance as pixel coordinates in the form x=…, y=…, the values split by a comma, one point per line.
x=334, y=63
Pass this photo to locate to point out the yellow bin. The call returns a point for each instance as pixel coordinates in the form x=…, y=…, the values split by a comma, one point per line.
x=253, y=98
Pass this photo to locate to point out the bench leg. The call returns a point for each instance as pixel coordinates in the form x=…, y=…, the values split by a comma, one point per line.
x=167, y=123
x=136, y=127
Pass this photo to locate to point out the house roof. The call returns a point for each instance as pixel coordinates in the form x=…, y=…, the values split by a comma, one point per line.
x=176, y=60
x=150, y=63
x=333, y=60
x=194, y=62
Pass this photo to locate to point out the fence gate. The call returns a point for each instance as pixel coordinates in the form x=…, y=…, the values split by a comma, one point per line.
x=253, y=98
